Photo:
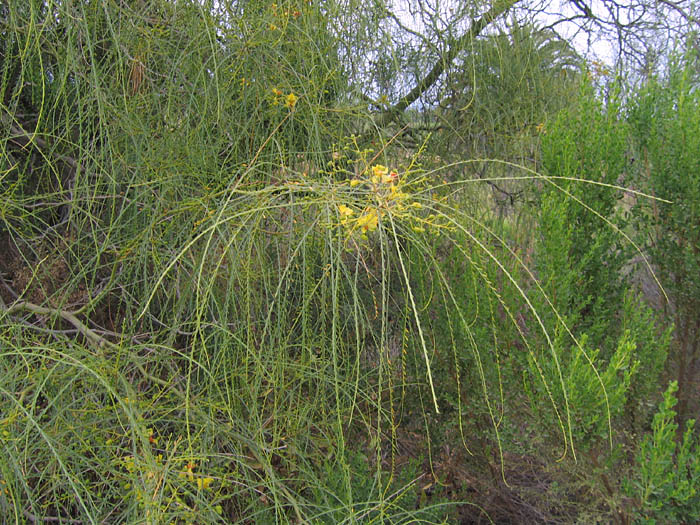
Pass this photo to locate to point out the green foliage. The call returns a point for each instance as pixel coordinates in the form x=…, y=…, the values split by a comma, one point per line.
x=595, y=390
x=668, y=469
x=580, y=258
x=666, y=121
x=354, y=492
x=645, y=328
x=228, y=296
x=580, y=255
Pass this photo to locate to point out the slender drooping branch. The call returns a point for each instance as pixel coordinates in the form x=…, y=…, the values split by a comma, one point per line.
x=454, y=47
x=23, y=138
x=96, y=339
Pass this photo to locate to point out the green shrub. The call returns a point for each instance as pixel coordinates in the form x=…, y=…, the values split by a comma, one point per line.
x=666, y=487
x=579, y=255
x=665, y=117
x=604, y=335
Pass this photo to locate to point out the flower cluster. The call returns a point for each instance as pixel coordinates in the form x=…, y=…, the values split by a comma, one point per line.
x=286, y=13
x=384, y=195
x=278, y=97
x=290, y=101
x=188, y=472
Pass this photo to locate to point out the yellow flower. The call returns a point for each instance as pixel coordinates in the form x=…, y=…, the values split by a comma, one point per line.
x=355, y=182
x=189, y=471
x=369, y=221
x=378, y=171
x=345, y=211
x=203, y=483
x=396, y=194
x=291, y=100
x=277, y=92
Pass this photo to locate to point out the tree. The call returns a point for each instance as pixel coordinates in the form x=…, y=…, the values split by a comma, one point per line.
x=443, y=34
x=504, y=91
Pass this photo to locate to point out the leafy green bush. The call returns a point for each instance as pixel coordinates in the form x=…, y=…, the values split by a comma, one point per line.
x=604, y=333
x=667, y=483
x=580, y=255
x=666, y=120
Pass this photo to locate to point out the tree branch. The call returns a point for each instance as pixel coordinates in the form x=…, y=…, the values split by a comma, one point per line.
x=23, y=139
x=497, y=9
x=97, y=340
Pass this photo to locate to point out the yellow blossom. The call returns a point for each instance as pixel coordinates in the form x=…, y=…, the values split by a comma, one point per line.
x=369, y=221
x=189, y=471
x=291, y=101
x=345, y=211
x=355, y=182
x=396, y=194
x=276, y=91
x=378, y=171
x=203, y=483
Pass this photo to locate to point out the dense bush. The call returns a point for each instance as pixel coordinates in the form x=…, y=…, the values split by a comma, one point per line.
x=666, y=120
x=667, y=473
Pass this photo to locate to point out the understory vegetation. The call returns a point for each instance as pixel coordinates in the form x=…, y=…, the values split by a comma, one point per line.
x=244, y=281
